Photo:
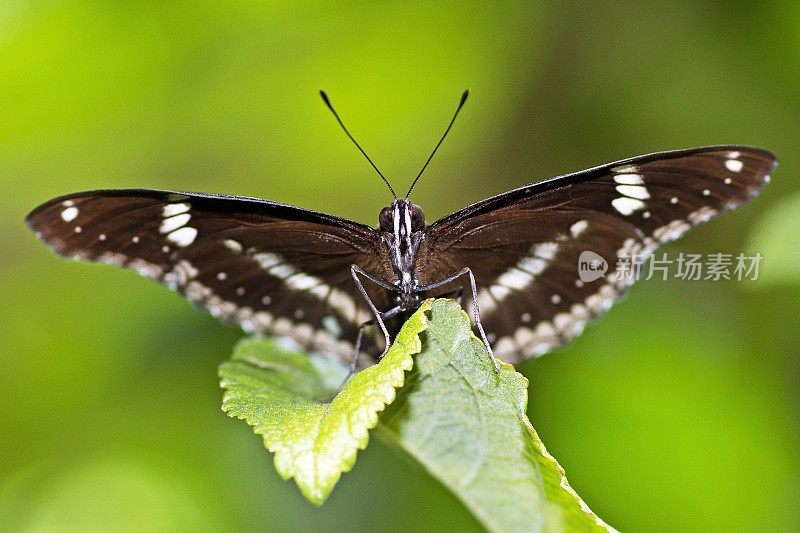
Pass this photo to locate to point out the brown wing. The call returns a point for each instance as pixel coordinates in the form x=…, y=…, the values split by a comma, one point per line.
x=272, y=268
x=524, y=246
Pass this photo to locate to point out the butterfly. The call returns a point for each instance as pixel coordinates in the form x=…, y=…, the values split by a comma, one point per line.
x=322, y=280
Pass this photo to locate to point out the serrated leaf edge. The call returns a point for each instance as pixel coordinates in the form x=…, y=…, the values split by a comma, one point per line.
x=284, y=461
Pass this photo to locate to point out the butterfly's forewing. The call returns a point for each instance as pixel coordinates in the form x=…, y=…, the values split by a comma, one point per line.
x=524, y=246
x=272, y=268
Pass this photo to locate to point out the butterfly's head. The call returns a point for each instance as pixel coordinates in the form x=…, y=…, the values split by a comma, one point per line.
x=401, y=218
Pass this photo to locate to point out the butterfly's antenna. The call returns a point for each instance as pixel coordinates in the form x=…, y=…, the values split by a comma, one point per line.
x=335, y=114
x=464, y=96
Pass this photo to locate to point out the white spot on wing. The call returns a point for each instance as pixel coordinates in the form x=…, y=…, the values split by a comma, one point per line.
x=579, y=227
x=113, y=258
x=171, y=224
x=629, y=179
x=342, y=302
x=69, y=214
x=485, y=301
x=734, y=165
x=267, y=260
x=196, y=291
x=145, y=268
x=183, y=236
x=515, y=279
x=634, y=191
x=499, y=291
x=505, y=345
x=302, y=282
x=233, y=246
x=282, y=271
x=671, y=231
x=523, y=336
x=545, y=250
x=534, y=265
x=320, y=291
x=180, y=275
x=625, y=169
x=562, y=321
x=702, y=215
x=540, y=349
x=626, y=206
x=332, y=326
x=171, y=210
x=262, y=320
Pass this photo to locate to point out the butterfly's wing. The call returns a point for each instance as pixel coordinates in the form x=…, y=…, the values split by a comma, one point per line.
x=272, y=268
x=524, y=246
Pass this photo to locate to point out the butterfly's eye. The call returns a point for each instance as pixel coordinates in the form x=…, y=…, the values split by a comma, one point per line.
x=385, y=219
x=417, y=218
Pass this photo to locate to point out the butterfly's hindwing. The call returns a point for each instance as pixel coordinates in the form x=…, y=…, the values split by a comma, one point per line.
x=524, y=246
x=271, y=268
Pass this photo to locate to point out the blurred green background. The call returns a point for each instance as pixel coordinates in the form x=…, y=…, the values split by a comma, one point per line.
x=677, y=411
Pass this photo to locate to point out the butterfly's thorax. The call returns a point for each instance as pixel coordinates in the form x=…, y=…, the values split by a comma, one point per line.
x=401, y=225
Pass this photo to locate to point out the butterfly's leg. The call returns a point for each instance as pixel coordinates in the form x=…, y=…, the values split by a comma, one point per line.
x=355, y=271
x=357, y=345
x=466, y=271
x=357, y=348
x=477, y=313
x=354, y=357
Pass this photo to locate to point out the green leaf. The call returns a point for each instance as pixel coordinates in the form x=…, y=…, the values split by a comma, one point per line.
x=278, y=392
x=467, y=425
